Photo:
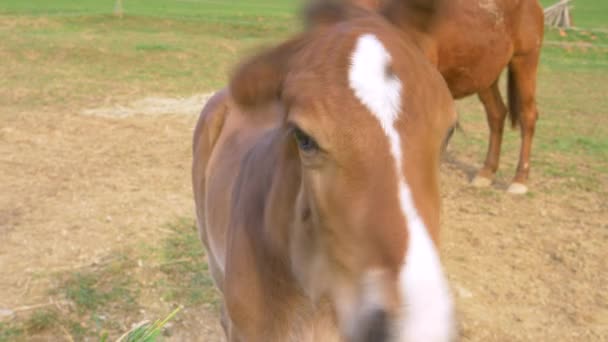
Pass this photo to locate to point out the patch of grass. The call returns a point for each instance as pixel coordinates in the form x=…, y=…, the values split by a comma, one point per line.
x=188, y=280
x=154, y=47
x=42, y=320
x=597, y=38
x=163, y=47
x=201, y=10
x=577, y=177
x=148, y=332
x=102, y=299
x=586, y=13
x=80, y=289
x=105, y=299
x=89, y=292
x=488, y=193
x=9, y=332
x=560, y=59
x=78, y=330
x=591, y=145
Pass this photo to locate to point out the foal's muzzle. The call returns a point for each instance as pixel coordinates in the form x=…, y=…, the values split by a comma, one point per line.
x=374, y=328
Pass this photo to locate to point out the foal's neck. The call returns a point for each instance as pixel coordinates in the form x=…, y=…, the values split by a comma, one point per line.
x=270, y=182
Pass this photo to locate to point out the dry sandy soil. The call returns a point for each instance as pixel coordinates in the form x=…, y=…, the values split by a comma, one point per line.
x=74, y=189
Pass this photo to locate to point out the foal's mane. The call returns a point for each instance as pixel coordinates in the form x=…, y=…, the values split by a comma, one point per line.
x=413, y=14
x=259, y=79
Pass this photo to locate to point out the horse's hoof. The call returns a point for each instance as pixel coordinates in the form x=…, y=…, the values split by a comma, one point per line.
x=481, y=182
x=517, y=189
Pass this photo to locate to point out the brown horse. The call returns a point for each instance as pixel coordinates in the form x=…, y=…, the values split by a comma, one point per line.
x=315, y=176
x=471, y=43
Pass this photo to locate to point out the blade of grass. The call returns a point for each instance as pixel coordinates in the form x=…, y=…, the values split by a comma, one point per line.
x=145, y=332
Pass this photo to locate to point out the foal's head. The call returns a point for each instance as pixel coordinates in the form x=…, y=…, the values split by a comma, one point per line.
x=365, y=117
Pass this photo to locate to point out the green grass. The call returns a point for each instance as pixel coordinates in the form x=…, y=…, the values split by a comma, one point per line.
x=89, y=293
x=187, y=276
x=10, y=332
x=69, y=54
x=42, y=320
x=586, y=13
x=207, y=10
x=148, y=332
x=103, y=301
x=99, y=297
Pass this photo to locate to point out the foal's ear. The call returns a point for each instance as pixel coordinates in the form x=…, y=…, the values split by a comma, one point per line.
x=417, y=14
x=259, y=79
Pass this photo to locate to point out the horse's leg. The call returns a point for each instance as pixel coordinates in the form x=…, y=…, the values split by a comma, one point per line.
x=523, y=69
x=496, y=112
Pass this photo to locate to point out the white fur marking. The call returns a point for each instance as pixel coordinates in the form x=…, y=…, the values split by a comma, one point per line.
x=428, y=308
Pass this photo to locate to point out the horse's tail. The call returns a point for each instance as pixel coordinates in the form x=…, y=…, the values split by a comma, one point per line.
x=513, y=96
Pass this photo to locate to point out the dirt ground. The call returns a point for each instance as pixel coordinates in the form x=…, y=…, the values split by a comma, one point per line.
x=74, y=189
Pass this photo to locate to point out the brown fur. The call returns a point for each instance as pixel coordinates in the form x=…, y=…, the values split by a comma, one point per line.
x=471, y=43
x=290, y=236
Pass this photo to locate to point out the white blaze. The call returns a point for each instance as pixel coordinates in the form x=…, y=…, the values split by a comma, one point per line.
x=428, y=308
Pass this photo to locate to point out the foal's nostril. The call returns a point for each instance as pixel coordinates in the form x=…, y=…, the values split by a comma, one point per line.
x=377, y=327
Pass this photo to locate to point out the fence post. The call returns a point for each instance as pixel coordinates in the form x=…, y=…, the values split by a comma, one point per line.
x=118, y=11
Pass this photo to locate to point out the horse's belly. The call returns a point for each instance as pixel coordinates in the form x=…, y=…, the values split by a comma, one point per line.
x=464, y=81
x=469, y=69
x=474, y=45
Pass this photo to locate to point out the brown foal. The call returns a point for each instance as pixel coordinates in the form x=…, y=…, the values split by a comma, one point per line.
x=315, y=177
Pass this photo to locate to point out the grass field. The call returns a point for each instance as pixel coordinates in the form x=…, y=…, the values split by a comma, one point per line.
x=586, y=13
x=96, y=212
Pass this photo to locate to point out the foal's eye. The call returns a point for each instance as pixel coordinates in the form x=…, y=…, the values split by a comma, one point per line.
x=305, y=142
